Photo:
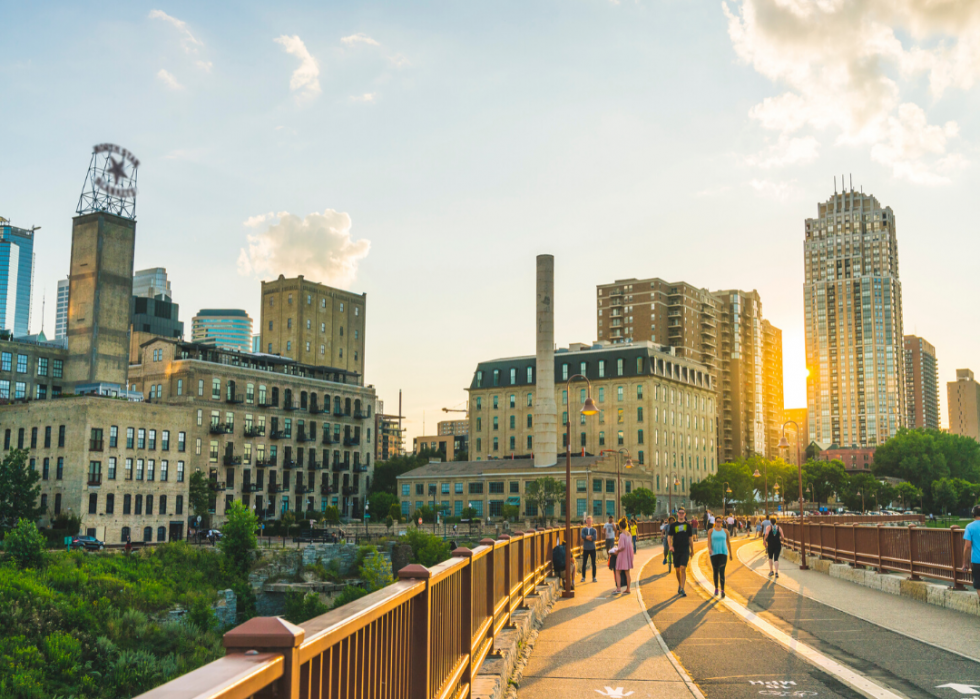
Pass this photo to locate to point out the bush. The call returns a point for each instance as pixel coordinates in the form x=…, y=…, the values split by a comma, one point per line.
x=238, y=541
x=25, y=544
x=202, y=615
x=349, y=594
x=302, y=607
x=427, y=549
x=376, y=572
x=71, y=523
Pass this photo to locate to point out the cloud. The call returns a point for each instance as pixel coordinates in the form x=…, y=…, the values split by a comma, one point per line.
x=398, y=60
x=169, y=80
x=188, y=41
x=367, y=97
x=318, y=246
x=256, y=221
x=780, y=191
x=847, y=67
x=306, y=78
x=205, y=66
x=359, y=39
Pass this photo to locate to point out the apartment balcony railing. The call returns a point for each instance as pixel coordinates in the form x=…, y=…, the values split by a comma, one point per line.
x=313, y=464
x=276, y=488
x=337, y=412
x=360, y=468
x=268, y=461
x=326, y=439
x=267, y=404
x=315, y=409
x=289, y=406
x=303, y=437
x=232, y=460
x=302, y=489
x=251, y=488
x=95, y=445
x=95, y=479
x=351, y=442
x=457, y=610
x=326, y=490
x=215, y=486
x=235, y=398
x=340, y=466
x=288, y=463
x=254, y=431
x=358, y=415
x=277, y=434
x=221, y=428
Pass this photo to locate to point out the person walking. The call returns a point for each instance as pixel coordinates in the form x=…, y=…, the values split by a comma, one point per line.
x=634, y=530
x=719, y=539
x=624, y=561
x=971, y=548
x=774, y=545
x=680, y=536
x=558, y=560
x=589, y=535
x=609, y=532
x=731, y=524
x=664, y=527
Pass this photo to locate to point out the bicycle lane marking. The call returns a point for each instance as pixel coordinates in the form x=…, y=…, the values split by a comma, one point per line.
x=828, y=665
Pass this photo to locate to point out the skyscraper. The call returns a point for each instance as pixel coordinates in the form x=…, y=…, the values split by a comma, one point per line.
x=963, y=403
x=16, y=278
x=153, y=282
x=227, y=328
x=853, y=317
x=921, y=384
x=61, y=310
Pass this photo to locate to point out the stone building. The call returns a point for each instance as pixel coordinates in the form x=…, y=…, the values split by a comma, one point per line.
x=658, y=406
x=963, y=404
x=32, y=370
x=313, y=323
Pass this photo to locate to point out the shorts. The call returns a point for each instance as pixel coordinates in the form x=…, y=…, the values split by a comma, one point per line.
x=681, y=557
x=774, y=552
x=976, y=576
x=609, y=544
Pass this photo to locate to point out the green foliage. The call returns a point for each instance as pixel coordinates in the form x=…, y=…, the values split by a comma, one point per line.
x=511, y=512
x=287, y=522
x=542, y=494
x=395, y=512
x=386, y=472
x=826, y=477
x=302, y=607
x=20, y=491
x=238, y=541
x=427, y=514
x=376, y=572
x=734, y=476
x=641, y=501
x=199, y=497
x=952, y=495
x=71, y=524
x=427, y=549
x=461, y=455
x=202, y=615
x=389, y=522
x=381, y=504
x=331, y=515
x=908, y=494
x=329, y=574
x=349, y=594
x=468, y=513
x=25, y=544
x=924, y=457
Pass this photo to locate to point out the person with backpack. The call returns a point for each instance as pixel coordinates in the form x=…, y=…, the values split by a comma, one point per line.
x=558, y=560
x=773, y=537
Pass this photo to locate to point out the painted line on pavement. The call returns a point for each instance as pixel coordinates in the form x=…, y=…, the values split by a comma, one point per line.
x=692, y=688
x=843, y=673
x=752, y=557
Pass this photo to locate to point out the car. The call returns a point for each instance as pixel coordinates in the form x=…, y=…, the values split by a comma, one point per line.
x=89, y=543
x=908, y=512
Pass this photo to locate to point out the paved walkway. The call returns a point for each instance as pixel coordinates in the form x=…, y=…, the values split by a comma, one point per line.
x=946, y=628
x=601, y=644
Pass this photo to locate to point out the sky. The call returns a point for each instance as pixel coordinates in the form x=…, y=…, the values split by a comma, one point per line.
x=425, y=152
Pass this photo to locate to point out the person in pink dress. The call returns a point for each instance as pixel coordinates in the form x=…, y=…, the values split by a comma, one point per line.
x=624, y=561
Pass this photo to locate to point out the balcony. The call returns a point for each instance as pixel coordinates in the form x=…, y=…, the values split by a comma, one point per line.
x=303, y=489
x=254, y=431
x=340, y=466
x=232, y=460
x=303, y=437
x=288, y=463
x=326, y=490
x=251, y=487
x=351, y=442
x=277, y=434
x=267, y=404
x=275, y=488
x=221, y=428
x=313, y=464
x=326, y=439
x=234, y=398
x=315, y=409
x=262, y=463
x=289, y=406
x=358, y=415
x=95, y=445
x=95, y=479
x=215, y=486
x=337, y=412
x=360, y=468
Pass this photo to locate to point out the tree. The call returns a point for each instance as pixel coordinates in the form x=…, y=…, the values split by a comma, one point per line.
x=376, y=572
x=380, y=504
x=511, y=513
x=468, y=513
x=238, y=541
x=944, y=495
x=25, y=544
x=542, y=494
x=907, y=494
x=461, y=455
x=924, y=457
x=395, y=512
x=331, y=515
x=20, y=491
x=826, y=477
x=386, y=472
x=302, y=607
x=427, y=549
x=641, y=501
x=389, y=522
x=738, y=476
x=199, y=497
x=287, y=522
x=427, y=514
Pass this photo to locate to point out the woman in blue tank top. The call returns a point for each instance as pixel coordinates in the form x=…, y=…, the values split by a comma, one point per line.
x=721, y=552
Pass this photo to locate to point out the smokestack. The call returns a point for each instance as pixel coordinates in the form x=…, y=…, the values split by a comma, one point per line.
x=545, y=410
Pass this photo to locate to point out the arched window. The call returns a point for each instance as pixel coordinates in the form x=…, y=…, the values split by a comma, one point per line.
x=148, y=534
x=337, y=410
x=357, y=407
x=346, y=406
x=161, y=533
x=287, y=397
x=125, y=534
x=275, y=396
x=303, y=398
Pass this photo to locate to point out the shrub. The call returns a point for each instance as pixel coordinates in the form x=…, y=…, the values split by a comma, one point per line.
x=302, y=607
x=376, y=572
x=427, y=549
x=238, y=541
x=70, y=523
x=202, y=615
x=349, y=594
x=25, y=544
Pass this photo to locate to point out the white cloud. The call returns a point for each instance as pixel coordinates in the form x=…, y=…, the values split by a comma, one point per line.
x=847, y=67
x=188, y=42
x=258, y=220
x=318, y=246
x=306, y=78
x=205, y=66
x=359, y=39
x=398, y=60
x=368, y=97
x=780, y=191
x=169, y=80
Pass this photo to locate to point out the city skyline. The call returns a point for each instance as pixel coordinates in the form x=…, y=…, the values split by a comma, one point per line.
x=496, y=150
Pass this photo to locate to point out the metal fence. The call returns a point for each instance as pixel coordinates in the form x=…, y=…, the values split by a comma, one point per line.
x=863, y=519
x=916, y=551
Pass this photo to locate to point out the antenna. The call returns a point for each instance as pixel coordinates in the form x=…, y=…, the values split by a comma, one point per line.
x=835, y=184
x=850, y=179
x=43, y=299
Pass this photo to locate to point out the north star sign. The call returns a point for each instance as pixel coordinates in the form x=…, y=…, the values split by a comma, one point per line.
x=116, y=170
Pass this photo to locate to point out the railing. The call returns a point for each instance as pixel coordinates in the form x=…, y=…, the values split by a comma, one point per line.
x=862, y=519
x=917, y=551
x=423, y=637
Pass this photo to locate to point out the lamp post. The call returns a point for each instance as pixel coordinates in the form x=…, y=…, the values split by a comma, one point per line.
x=588, y=408
x=619, y=475
x=861, y=493
x=724, y=490
x=766, y=482
x=799, y=466
x=671, y=482
x=812, y=496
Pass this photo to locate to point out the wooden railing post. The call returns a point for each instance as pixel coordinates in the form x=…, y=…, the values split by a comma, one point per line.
x=878, y=539
x=957, y=557
x=421, y=667
x=913, y=552
x=466, y=614
x=272, y=635
x=835, y=542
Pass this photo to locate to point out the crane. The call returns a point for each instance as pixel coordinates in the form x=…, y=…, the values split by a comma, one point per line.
x=456, y=410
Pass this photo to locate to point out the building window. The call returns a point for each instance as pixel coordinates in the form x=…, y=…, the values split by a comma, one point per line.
x=216, y=389
x=21, y=363
x=139, y=469
x=57, y=368
x=181, y=441
x=129, y=469
x=110, y=504
x=179, y=505
x=180, y=472
x=60, y=471
x=130, y=434
x=180, y=387
x=93, y=503
x=127, y=509
x=602, y=439
x=141, y=438
x=42, y=366
x=112, y=468
x=602, y=368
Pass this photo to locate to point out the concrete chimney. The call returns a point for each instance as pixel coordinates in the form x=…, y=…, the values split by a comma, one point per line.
x=545, y=410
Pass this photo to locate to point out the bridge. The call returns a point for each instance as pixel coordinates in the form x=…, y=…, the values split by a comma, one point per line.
x=806, y=634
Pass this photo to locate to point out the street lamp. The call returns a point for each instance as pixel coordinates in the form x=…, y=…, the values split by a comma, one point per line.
x=862, y=500
x=766, y=482
x=799, y=466
x=619, y=482
x=775, y=486
x=588, y=408
x=724, y=490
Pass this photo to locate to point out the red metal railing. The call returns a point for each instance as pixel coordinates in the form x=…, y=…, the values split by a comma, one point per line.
x=916, y=551
x=424, y=637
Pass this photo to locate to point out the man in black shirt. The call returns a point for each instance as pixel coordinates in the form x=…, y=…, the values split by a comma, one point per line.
x=679, y=538
x=589, y=535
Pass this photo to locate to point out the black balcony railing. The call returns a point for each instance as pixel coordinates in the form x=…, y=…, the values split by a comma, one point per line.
x=358, y=415
x=95, y=445
x=338, y=412
x=275, y=488
x=235, y=398
x=315, y=409
x=288, y=463
x=277, y=434
x=95, y=479
x=341, y=466
x=326, y=490
x=289, y=406
x=268, y=461
x=266, y=404
x=360, y=468
x=216, y=485
x=254, y=431
x=313, y=464
x=222, y=428
x=302, y=489
x=303, y=437
x=326, y=439
x=351, y=442
x=251, y=488
x=232, y=460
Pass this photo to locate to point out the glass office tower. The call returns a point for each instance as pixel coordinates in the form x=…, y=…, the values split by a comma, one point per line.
x=16, y=278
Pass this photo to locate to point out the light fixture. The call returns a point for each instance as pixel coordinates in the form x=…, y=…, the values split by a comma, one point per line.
x=589, y=408
x=757, y=474
x=784, y=443
x=629, y=462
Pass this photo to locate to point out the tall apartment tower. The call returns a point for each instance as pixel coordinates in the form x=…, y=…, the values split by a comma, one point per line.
x=963, y=403
x=227, y=328
x=153, y=282
x=313, y=323
x=61, y=310
x=16, y=278
x=722, y=330
x=853, y=316
x=100, y=287
x=921, y=384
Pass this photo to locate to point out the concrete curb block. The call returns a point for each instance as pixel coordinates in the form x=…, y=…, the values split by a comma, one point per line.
x=894, y=584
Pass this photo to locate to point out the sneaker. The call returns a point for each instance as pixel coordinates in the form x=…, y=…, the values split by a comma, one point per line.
x=593, y=580
x=716, y=592
x=771, y=573
x=665, y=562
x=583, y=580
x=723, y=594
x=777, y=575
x=679, y=589
x=682, y=593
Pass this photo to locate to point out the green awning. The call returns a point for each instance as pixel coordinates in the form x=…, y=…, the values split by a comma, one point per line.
x=516, y=502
